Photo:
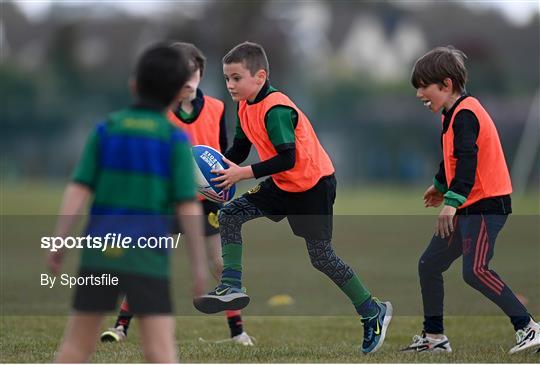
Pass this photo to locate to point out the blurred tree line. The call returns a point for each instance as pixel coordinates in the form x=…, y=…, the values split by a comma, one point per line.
x=345, y=63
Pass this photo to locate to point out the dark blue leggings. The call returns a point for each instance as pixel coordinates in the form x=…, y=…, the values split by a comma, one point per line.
x=474, y=238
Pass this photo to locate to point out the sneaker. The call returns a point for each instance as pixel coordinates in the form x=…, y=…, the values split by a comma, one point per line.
x=243, y=339
x=223, y=297
x=375, y=327
x=527, y=338
x=427, y=344
x=114, y=334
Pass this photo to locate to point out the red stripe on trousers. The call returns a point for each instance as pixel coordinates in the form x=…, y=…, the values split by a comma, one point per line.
x=478, y=270
x=477, y=253
x=489, y=275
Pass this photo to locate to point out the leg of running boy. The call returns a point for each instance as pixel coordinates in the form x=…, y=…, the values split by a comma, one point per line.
x=376, y=315
x=80, y=338
x=234, y=318
x=436, y=259
x=119, y=331
x=480, y=231
x=474, y=237
x=311, y=215
x=157, y=338
x=228, y=295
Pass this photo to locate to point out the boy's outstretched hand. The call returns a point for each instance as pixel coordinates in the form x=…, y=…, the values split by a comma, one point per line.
x=433, y=197
x=445, y=221
x=232, y=175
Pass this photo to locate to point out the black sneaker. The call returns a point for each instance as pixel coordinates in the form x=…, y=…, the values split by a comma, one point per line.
x=223, y=297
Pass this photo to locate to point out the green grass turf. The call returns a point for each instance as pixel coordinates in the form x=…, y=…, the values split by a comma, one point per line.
x=383, y=249
x=279, y=339
x=37, y=197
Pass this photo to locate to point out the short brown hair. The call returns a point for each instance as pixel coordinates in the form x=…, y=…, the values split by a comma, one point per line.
x=160, y=73
x=193, y=54
x=438, y=64
x=251, y=54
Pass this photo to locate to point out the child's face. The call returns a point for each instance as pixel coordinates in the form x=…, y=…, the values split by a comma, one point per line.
x=436, y=96
x=189, y=90
x=240, y=83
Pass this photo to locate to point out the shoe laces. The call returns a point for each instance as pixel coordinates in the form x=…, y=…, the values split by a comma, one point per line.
x=221, y=287
x=365, y=320
x=418, y=339
x=229, y=287
x=520, y=335
x=368, y=333
x=368, y=329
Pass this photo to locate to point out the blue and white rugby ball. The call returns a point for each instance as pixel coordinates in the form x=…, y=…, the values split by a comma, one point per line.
x=206, y=160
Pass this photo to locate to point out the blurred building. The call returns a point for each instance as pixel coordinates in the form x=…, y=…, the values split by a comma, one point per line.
x=347, y=64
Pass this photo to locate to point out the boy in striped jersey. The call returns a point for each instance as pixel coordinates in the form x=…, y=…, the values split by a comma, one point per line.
x=137, y=168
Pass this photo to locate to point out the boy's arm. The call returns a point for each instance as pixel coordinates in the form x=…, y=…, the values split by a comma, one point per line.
x=188, y=209
x=189, y=214
x=439, y=181
x=76, y=195
x=466, y=129
x=283, y=161
x=223, y=143
x=239, y=151
x=75, y=198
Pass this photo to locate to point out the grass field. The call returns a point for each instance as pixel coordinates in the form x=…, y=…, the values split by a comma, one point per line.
x=378, y=231
x=279, y=339
x=35, y=197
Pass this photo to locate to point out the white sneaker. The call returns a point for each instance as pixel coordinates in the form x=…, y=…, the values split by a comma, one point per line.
x=243, y=339
x=527, y=338
x=427, y=344
x=114, y=334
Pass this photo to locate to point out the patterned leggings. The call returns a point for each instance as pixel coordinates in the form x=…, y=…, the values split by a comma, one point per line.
x=321, y=253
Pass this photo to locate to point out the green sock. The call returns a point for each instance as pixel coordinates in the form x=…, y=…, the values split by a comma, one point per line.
x=359, y=296
x=232, y=264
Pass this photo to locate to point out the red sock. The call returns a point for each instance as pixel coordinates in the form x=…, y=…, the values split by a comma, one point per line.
x=124, y=307
x=125, y=316
x=235, y=322
x=230, y=314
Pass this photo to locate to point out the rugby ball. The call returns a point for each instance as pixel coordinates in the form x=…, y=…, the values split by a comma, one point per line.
x=208, y=159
